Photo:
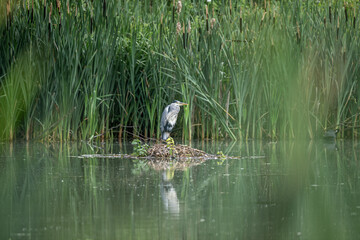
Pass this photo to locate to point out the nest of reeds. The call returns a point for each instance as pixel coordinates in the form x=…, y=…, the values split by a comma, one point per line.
x=181, y=152
x=167, y=155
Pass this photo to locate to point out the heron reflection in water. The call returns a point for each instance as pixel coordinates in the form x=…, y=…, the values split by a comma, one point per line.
x=330, y=139
x=168, y=193
x=169, y=117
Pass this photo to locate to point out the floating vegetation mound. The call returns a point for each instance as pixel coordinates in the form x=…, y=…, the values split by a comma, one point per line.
x=167, y=155
x=176, y=151
x=169, y=151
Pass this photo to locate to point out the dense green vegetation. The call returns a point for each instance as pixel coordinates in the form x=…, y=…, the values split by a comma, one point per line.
x=249, y=69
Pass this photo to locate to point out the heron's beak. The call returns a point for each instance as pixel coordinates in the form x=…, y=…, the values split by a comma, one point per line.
x=183, y=104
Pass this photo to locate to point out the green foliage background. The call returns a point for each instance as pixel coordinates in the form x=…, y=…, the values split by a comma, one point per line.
x=73, y=70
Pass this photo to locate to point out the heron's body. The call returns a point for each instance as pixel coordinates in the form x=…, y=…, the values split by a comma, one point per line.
x=168, y=118
x=331, y=134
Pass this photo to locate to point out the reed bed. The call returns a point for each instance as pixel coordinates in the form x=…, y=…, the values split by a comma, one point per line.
x=249, y=69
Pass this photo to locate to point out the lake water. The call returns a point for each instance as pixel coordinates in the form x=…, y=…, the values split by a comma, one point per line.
x=297, y=190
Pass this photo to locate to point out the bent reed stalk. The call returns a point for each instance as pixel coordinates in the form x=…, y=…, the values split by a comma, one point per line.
x=73, y=70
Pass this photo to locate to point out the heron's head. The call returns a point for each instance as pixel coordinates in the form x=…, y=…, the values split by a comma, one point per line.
x=180, y=103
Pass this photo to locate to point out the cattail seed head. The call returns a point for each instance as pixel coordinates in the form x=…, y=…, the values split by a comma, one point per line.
x=44, y=9
x=189, y=27
x=104, y=8
x=50, y=12
x=230, y=7
x=58, y=4
x=32, y=11
x=346, y=14
x=298, y=35
x=8, y=8
x=50, y=20
x=179, y=6
x=212, y=23
x=354, y=20
x=207, y=11
x=8, y=14
x=178, y=28
x=241, y=24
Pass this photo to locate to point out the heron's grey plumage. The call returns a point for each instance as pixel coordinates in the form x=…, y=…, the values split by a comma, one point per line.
x=331, y=134
x=168, y=119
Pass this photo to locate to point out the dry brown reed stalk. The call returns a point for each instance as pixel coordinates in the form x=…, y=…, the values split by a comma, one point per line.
x=230, y=7
x=68, y=7
x=324, y=21
x=262, y=19
x=241, y=21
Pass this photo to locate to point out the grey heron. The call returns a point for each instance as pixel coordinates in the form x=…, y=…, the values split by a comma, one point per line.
x=169, y=117
x=331, y=134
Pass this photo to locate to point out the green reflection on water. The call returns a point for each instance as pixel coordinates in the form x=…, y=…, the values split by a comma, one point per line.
x=299, y=190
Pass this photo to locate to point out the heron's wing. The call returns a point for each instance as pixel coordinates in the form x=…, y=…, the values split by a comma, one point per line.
x=168, y=118
x=164, y=118
x=170, y=121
